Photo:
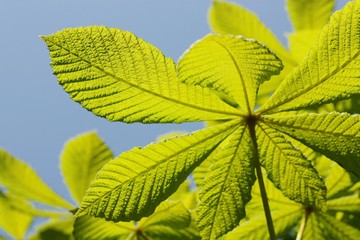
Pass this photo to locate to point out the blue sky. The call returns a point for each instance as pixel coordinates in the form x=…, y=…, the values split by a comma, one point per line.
x=37, y=116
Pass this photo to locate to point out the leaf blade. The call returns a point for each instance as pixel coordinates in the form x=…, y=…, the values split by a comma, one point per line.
x=137, y=181
x=121, y=77
x=80, y=160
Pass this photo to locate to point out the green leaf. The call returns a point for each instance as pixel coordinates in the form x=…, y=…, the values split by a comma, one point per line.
x=20, y=178
x=82, y=157
x=305, y=14
x=334, y=229
x=132, y=185
x=227, y=187
x=337, y=181
x=314, y=229
x=231, y=65
x=59, y=229
x=228, y=18
x=330, y=72
x=13, y=221
x=346, y=204
x=288, y=168
x=90, y=228
x=321, y=131
x=121, y=77
x=171, y=220
x=301, y=42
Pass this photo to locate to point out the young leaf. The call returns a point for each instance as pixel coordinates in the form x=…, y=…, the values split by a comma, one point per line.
x=82, y=157
x=59, y=229
x=288, y=169
x=330, y=72
x=13, y=221
x=321, y=131
x=234, y=66
x=106, y=70
x=132, y=185
x=346, y=204
x=305, y=14
x=337, y=181
x=21, y=179
x=227, y=187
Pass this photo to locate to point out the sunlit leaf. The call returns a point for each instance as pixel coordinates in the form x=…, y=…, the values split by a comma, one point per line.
x=227, y=188
x=82, y=157
x=321, y=131
x=347, y=204
x=330, y=71
x=20, y=178
x=121, y=77
x=59, y=229
x=132, y=185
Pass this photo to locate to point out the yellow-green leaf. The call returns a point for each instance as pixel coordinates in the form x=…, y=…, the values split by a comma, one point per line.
x=288, y=168
x=338, y=180
x=231, y=65
x=301, y=42
x=55, y=229
x=132, y=185
x=227, y=187
x=121, y=77
x=336, y=135
x=81, y=158
x=331, y=70
x=346, y=204
x=20, y=178
x=13, y=221
x=309, y=14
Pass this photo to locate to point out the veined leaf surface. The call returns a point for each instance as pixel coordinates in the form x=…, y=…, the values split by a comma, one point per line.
x=132, y=185
x=336, y=135
x=227, y=187
x=121, y=77
x=232, y=65
x=20, y=178
x=288, y=168
x=82, y=157
x=331, y=70
x=310, y=14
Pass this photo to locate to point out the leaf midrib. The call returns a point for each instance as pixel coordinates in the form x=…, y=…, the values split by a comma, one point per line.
x=146, y=90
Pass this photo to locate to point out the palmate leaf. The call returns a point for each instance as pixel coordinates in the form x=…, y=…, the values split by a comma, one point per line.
x=288, y=168
x=305, y=14
x=337, y=181
x=58, y=229
x=234, y=66
x=346, y=204
x=82, y=157
x=20, y=178
x=227, y=187
x=336, y=135
x=121, y=77
x=330, y=72
x=132, y=185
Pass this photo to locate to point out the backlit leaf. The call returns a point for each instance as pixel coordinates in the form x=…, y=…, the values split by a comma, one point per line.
x=58, y=229
x=232, y=65
x=121, y=77
x=310, y=14
x=337, y=180
x=20, y=178
x=82, y=157
x=331, y=70
x=288, y=169
x=346, y=204
x=322, y=131
x=132, y=185
x=227, y=187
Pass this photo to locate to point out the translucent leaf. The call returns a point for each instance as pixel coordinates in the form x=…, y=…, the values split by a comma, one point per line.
x=20, y=178
x=13, y=221
x=301, y=42
x=121, y=77
x=330, y=71
x=310, y=14
x=346, y=204
x=313, y=229
x=171, y=220
x=321, y=131
x=288, y=169
x=229, y=18
x=59, y=229
x=81, y=158
x=90, y=228
x=132, y=185
x=231, y=65
x=338, y=180
x=227, y=187
x=334, y=229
